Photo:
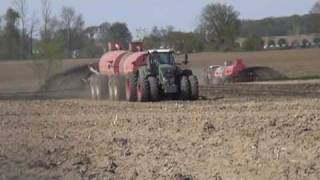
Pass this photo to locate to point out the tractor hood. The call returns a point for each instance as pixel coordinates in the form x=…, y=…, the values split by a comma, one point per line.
x=167, y=71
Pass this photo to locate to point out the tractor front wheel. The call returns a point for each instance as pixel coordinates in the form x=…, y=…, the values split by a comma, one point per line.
x=154, y=89
x=194, y=86
x=185, y=88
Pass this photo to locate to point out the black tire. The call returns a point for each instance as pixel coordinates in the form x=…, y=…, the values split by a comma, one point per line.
x=143, y=90
x=185, y=89
x=194, y=86
x=131, y=87
x=154, y=89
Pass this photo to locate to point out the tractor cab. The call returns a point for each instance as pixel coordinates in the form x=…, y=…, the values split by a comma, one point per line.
x=161, y=57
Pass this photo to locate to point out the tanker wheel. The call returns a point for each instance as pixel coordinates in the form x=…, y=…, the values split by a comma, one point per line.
x=93, y=91
x=110, y=87
x=185, y=88
x=116, y=93
x=101, y=87
x=93, y=84
x=154, y=89
x=131, y=88
x=206, y=80
x=143, y=90
x=194, y=87
x=218, y=81
x=121, y=84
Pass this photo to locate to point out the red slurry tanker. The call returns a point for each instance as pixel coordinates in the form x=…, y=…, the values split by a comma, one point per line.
x=138, y=75
x=237, y=71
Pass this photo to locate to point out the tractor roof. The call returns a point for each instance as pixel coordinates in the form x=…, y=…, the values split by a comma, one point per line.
x=161, y=50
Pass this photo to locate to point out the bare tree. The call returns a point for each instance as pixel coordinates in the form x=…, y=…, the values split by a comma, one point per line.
x=21, y=7
x=0, y=22
x=141, y=33
x=34, y=22
x=316, y=8
x=49, y=61
x=68, y=15
x=46, y=16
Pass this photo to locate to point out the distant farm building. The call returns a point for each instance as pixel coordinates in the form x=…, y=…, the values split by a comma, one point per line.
x=292, y=41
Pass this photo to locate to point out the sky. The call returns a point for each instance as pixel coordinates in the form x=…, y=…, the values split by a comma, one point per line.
x=182, y=14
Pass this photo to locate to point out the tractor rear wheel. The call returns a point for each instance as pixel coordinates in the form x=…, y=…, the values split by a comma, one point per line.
x=143, y=90
x=131, y=88
x=154, y=89
x=185, y=89
x=194, y=86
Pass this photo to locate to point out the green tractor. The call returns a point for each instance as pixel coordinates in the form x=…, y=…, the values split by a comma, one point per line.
x=161, y=78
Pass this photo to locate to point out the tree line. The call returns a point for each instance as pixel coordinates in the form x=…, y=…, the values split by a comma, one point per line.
x=281, y=26
x=55, y=36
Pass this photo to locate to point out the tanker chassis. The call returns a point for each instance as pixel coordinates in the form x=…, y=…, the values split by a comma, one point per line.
x=142, y=76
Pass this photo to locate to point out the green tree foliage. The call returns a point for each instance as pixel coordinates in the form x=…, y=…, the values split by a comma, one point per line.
x=119, y=32
x=10, y=37
x=156, y=38
x=254, y=43
x=282, y=26
x=152, y=42
x=103, y=30
x=219, y=24
x=168, y=38
x=21, y=7
x=92, y=49
x=94, y=46
x=185, y=42
x=49, y=60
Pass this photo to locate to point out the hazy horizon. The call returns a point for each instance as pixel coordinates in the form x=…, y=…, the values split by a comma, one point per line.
x=147, y=13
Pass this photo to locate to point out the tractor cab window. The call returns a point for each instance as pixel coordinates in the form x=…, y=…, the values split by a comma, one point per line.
x=162, y=58
x=166, y=58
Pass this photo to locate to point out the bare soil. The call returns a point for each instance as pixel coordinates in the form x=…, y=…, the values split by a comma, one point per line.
x=247, y=137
